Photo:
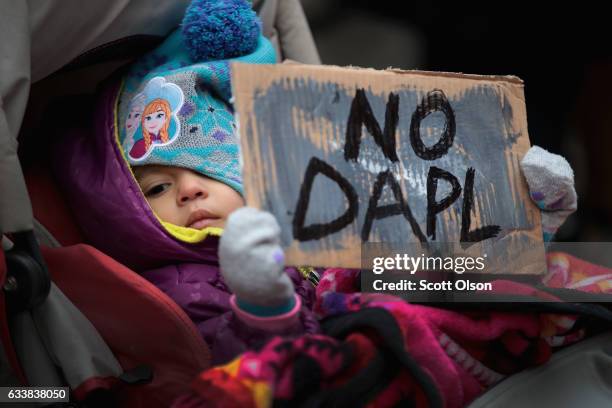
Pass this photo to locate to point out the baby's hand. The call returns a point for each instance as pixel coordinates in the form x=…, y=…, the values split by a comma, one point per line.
x=252, y=260
x=551, y=186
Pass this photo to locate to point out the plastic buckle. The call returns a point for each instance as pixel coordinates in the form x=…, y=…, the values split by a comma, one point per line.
x=27, y=281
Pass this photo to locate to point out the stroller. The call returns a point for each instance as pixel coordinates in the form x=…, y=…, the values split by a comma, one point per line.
x=62, y=327
x=136, y=348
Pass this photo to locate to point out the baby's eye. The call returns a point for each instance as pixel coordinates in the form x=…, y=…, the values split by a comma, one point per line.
x=156, y=190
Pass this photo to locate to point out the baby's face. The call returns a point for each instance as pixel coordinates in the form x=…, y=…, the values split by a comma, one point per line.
x=186, y=198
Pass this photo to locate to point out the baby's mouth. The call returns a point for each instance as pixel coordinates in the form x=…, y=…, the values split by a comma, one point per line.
x=201, y=219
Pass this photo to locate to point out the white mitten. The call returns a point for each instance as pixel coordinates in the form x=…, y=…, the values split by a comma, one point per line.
x=551, y=186
x=252, y=261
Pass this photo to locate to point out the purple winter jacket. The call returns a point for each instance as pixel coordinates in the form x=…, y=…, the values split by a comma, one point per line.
x=115, y=218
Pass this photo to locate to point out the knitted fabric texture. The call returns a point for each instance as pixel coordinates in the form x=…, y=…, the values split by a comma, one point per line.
x=551, y=186
x=174, y=111
x=220, y=29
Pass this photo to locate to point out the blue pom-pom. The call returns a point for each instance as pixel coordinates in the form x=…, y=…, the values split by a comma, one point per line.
x=220, y=29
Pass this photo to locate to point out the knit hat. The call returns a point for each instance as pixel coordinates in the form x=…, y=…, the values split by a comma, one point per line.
x=175, y=108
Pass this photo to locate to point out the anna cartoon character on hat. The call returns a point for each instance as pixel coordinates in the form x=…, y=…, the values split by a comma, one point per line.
x=158, y=122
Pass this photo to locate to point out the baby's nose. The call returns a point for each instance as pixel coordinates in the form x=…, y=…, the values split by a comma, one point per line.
x=191, y=190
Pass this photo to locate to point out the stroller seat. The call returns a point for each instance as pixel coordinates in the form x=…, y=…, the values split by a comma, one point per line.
x=139, y=323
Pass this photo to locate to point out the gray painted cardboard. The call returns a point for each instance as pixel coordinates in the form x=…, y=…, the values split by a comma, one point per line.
x=290, y=113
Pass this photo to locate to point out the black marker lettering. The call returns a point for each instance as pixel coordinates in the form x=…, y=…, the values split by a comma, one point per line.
x=377, y=213
x=361, y=114
x=479, y=234
x=434, y=101
x=317, y=231
x=434, y=207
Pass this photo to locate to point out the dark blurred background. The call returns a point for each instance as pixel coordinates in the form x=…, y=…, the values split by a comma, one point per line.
x=563, y=56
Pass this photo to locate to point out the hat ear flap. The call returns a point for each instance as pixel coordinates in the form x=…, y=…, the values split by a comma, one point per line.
x=220, y=29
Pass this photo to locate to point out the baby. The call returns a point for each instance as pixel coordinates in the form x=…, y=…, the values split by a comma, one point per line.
x=159, y=174
x=158, y=180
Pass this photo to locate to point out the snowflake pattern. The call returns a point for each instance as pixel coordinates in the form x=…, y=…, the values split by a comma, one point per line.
x=214, y=114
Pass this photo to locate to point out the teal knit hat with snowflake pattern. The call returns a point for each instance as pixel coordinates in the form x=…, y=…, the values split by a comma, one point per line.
x=175, y=110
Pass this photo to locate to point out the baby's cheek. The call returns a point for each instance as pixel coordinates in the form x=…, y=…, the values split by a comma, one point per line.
x=234, y=205
x=167, y=211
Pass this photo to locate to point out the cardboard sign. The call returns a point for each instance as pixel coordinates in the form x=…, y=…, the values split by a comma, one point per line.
x=344, y=156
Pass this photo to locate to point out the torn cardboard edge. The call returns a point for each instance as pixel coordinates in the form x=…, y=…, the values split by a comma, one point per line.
x=506, y=78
